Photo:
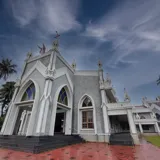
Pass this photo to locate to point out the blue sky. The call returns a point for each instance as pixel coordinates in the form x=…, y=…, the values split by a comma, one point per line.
x=124, y=34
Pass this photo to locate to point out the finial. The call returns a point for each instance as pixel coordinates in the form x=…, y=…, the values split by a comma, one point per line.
x=74, y=64
x=108, y=79
x=42, y=49
x=99, y=64
x=126, y=96
x=29, y=55
x=55, y=42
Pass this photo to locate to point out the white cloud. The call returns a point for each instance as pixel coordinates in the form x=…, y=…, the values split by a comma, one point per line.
x=50, y=15
x=131, y=26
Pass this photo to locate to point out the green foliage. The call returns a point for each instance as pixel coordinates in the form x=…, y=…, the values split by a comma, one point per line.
x=155, y=140
x=6, y=68
x=6, y=93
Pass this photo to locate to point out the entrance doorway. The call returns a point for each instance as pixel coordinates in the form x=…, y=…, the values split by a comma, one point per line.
x=119, y=124
x=60, y=123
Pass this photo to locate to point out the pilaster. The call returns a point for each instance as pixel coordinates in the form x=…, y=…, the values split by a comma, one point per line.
x=46, y=101
x=132, y=125
x=104, y=106
x=157, y=128
x=140, y=127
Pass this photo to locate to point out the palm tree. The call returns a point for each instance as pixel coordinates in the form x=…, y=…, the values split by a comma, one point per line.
x=6, y=68
x=158, y=81
x=6, y=93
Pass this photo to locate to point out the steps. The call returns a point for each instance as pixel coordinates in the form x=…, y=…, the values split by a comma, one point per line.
x=36, y=144
x=121, y=139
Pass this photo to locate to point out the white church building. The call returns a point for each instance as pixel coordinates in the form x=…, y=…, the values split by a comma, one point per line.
x=52, y=97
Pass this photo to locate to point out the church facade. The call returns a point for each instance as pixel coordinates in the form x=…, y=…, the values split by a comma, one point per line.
x=52, y=97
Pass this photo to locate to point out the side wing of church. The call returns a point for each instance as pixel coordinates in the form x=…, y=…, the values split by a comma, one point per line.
x=52, y=97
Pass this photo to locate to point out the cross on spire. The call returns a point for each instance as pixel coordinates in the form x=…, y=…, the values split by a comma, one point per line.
x=57, y=35
x=55, y=42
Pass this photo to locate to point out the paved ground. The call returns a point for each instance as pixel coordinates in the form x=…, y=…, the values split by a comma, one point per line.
x=89, y=151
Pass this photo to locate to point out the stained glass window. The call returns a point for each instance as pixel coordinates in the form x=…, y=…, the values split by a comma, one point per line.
x=29, y=93
x=63, y=97
x=87, y=102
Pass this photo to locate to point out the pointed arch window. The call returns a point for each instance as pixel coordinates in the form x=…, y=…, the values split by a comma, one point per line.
x=87, y=114
x=62, y=98
x=29, y=93
x=87, y=102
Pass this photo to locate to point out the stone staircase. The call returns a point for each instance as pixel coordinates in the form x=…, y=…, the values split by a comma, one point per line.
x=121, y=139
x=35, y=144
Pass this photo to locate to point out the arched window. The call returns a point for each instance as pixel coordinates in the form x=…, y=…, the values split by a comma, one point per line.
x=87, y=114
x=62, y=98
x=87, y=102
x=29, y=93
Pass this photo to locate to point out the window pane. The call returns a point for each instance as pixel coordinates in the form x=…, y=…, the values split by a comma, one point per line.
x=90, y=125
x=87, y=119
x=62, y=98
x=29, y=93
x=84, y=125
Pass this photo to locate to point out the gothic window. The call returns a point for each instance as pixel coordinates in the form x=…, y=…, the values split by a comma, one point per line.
x=87, y=114
x=29, y=93
x=87, y=102
x=62, y=98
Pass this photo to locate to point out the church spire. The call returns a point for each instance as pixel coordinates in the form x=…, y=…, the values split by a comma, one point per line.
x=99, y=64
x=74, y=64
x=55, y=42
x=126, y=96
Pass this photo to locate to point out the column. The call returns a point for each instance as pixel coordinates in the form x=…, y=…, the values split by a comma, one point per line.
x=140, y=128
x=132, y=125
x=22, y=119
x=46, y=98
x=105, y=115
x=131, y=122
x=157, y=128
x=44, y=107
x=104, y=106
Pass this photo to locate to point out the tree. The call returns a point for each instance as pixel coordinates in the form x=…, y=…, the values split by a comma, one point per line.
x=158, y=81
x=6, y=93
x=6, y=68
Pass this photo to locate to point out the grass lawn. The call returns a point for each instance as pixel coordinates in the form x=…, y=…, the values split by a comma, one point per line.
x=155, y=140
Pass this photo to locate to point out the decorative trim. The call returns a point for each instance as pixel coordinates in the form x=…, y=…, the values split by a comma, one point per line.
x=39, y=56
x=63, y=71
x=39, y=66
